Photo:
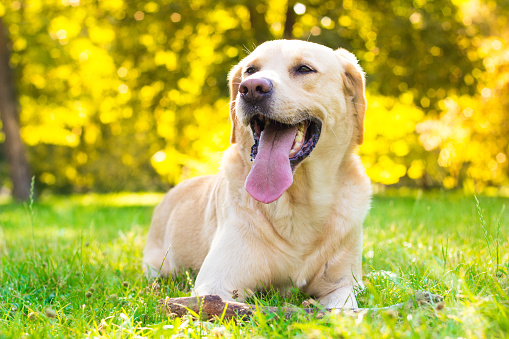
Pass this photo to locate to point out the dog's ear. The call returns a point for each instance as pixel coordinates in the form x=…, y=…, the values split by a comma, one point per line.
x=235, y=78
x=353, y=78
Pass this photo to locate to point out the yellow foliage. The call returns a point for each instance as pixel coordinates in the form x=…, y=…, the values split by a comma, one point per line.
x=274, y=15
x=92, y=134
x=167, y=58
x=62, y=28
x=101, y=35
x=385, y=171
x=400, y=148
x=224, y=21
x=242, y=13
x=140, y=79
x=388, y=138
x=148, y=41
x=151, y=7
x=112, y=5
x=47, y=178
x=209, y=136
x=416, y=169
x=54, y=135
x=70, y=172
x=19, y=45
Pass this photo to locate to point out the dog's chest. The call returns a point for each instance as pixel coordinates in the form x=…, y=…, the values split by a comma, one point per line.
x=297, y=224
x=305, y=243
x=310, y=237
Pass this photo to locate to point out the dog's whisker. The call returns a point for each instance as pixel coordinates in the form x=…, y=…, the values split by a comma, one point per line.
x=246, y=49
x=227, y=105
x=337, y=139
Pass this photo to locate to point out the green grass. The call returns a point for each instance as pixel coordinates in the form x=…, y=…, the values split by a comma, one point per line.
x=69, y=264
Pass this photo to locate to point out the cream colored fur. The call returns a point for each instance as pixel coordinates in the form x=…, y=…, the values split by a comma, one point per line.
x=311, y=236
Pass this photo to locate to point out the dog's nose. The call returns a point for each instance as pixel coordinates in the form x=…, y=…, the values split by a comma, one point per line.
x=255, y=90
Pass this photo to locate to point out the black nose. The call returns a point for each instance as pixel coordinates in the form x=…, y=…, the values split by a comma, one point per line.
x=255, y=90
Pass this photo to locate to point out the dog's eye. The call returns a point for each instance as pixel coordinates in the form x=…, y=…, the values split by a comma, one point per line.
x=305, y=69
x=250, y=70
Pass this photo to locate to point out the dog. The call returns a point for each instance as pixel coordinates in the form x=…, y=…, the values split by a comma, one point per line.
x=287, y=206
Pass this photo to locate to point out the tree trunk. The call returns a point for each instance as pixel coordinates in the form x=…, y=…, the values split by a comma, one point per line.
x=259, y=26
x=15, y=150
x=290, y=20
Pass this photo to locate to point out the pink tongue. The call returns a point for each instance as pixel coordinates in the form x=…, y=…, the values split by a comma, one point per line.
x=271, y=174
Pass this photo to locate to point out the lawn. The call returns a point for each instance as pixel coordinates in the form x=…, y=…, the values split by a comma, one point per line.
x=71, y=266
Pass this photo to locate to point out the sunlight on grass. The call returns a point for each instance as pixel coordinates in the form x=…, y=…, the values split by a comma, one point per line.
x=5, y=198
x=110, y=199
x=84, y=277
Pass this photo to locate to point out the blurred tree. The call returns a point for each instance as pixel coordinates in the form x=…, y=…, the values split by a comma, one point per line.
x=15, y=149
x=470, y=138
x=289, y=19
x=259, y=25
x=131, y=95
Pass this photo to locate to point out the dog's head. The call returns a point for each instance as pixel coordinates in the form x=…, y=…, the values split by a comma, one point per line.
x=289, y=99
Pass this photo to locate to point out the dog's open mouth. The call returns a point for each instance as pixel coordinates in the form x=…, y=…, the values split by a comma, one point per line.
x=278, y=148
x=306, y=138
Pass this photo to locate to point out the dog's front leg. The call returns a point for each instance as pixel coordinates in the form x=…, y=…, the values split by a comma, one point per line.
x=231, y=269
x=336, y=283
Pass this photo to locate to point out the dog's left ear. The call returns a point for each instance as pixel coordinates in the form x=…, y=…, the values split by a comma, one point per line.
x=234, y=78
x=354, y=81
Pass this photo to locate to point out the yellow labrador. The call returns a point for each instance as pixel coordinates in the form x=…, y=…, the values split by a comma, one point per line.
x=287, y=206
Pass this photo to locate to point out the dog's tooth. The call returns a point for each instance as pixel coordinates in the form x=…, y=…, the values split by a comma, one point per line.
x=296, y=148
x=299, y=140
x=302, y=126
x=299, y=136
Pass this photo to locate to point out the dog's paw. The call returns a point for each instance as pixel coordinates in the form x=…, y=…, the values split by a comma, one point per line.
x=342, y=298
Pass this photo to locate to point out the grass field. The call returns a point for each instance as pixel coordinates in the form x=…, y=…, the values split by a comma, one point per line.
x=71, y=267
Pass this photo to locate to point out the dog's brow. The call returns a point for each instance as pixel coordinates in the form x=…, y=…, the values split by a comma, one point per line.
x=303, y=54
x=298, y=59
x=302, y=58
x=253, y=63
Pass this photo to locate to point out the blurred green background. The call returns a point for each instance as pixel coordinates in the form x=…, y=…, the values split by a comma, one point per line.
x=127, y=95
